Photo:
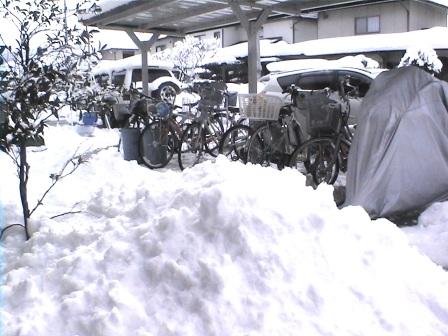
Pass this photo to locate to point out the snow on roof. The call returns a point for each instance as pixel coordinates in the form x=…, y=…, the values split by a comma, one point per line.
x=107, y=66
x=436, y=38
x=231, y=54
x=358, y=61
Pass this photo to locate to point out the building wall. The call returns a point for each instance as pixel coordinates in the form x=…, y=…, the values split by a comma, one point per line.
x=279, y=28
x=424, y=16
x=232, y=35
x=116, y=54
x=164, y=43
x=304, y=30
x=334, y=23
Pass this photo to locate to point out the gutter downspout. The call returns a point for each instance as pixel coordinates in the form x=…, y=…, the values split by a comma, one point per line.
x=408, y=15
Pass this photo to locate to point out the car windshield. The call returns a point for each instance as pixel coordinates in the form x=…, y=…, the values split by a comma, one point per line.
x=153, y=74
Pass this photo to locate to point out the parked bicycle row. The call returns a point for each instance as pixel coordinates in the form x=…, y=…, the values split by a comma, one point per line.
x=311, y=133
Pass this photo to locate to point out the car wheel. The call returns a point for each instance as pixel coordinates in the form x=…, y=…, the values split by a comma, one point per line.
x=167, y=92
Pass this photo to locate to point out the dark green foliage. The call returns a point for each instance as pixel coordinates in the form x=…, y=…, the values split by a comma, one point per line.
x=40, y=75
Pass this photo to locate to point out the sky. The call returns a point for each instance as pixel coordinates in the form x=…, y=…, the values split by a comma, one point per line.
x=219, y=249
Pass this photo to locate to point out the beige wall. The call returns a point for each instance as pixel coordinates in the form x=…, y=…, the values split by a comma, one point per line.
x=232, y=35
x=336, y=23
x=279, y=28
x=422, y=16
x=304, y=30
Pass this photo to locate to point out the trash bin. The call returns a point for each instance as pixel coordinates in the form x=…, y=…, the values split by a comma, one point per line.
x=154, y=149
x=129, y=143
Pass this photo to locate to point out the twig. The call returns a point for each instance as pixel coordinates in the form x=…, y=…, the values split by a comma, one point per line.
x=66, y=213
x=76, y=161
x=8, y=227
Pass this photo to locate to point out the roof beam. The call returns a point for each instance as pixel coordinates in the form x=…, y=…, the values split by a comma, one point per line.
x=127, y=10
x=161, y=31
x=205, y=9
x=231, y=19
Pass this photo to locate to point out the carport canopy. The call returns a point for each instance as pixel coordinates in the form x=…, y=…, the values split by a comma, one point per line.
x=181, y=17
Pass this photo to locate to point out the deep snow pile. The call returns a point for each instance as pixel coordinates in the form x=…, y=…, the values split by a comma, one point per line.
x=220, y=249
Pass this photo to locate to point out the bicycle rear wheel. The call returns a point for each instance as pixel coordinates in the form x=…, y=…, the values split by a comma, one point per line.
x=317, y=157
x=266, y=146
x=192, y=148
x=213, y=134
x=234, y=141
x=157, y=144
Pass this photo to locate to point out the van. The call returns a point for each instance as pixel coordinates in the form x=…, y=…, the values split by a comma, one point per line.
x=127, y=73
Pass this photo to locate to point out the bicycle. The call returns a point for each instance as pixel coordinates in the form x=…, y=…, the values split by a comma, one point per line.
x=326, y=153
x=160, y=139
x=200, y=140
x=274, y=141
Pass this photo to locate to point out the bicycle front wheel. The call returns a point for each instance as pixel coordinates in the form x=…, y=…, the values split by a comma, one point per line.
x=234, y=141
x=319, y=158
x=157, y=144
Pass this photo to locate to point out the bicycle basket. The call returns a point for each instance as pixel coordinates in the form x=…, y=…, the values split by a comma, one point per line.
x=211, y=96
x=260, y=106
x=322, y=112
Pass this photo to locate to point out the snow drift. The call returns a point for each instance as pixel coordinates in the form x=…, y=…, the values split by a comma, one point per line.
x=220, y=249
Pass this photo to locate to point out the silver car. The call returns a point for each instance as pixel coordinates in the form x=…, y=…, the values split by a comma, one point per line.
x=319, y=78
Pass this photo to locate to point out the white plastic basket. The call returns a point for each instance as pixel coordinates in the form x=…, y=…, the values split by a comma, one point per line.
x=259, y=106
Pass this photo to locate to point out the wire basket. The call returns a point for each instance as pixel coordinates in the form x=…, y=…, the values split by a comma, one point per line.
x=260, y=106
x=321, y=111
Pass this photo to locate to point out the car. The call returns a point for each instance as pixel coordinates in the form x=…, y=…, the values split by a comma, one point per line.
x=316, y=78
x=127, y=73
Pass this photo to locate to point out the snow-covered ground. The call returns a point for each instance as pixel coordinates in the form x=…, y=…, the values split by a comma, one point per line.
x=220, y=249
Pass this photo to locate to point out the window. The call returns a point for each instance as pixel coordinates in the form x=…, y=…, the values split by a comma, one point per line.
x=160, y=48
x=200, y=37
x=118, y=78
x=217, y=35
x=317, y=81
x=362, y=83
x=127, y=54
x=153, y=74
x=367, y=25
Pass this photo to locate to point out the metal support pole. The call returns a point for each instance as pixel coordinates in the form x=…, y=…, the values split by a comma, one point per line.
x=144, y=47
x=253, y=41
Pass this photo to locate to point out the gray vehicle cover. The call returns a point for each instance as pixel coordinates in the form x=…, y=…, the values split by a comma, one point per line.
x=398, y=161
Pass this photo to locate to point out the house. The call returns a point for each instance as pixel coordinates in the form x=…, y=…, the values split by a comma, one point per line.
x=344, y=19
x=348, y=18
x=351, y=28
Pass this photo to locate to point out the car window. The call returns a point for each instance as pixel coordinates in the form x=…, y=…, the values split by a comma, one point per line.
x=102, y=79
x=153, y=74
x=360, y=81
x=285, y=81
x=118, y=78
x=317, y=81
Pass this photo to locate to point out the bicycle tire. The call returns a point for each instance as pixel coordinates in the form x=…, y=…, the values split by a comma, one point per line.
x=191, y=149
x=234, y=141
x=265, y=146
x=212, y=135
x=317, y=158
x=157, y=144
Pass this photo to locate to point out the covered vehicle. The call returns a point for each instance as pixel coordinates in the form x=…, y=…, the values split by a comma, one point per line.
x=398, y=161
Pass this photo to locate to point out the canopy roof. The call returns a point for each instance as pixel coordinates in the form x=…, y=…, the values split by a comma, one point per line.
x=180, y=17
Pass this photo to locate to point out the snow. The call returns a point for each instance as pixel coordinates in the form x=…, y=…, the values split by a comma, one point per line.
x=219, y=249
x=107, y=66
x=358, y=61
x=435, y=38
